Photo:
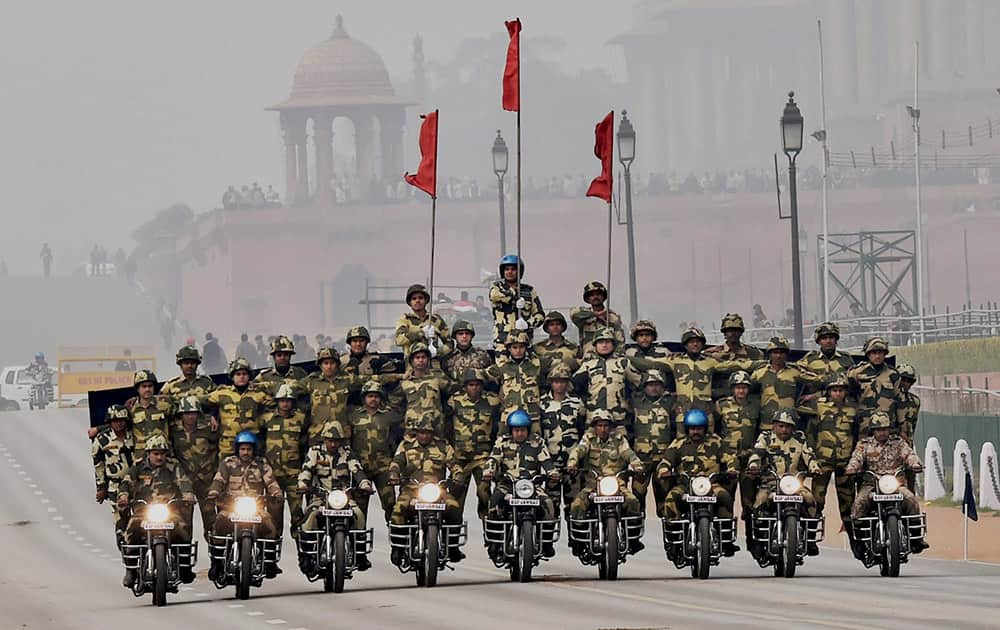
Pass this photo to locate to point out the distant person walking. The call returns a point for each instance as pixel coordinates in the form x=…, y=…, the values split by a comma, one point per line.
x=246, y=350
x=46, y=256
x=212, y=356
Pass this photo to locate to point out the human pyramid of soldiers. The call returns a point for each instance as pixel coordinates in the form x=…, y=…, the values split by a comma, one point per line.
x=551, y=408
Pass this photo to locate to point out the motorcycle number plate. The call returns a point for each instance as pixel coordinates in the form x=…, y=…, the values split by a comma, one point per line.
x=437, y=507
x=616, y=498
x=787, y=498
x=690, y=498
x=887, y=497
x=329, y=512
x=244, y=519
x=526, y=502
x=148, y=525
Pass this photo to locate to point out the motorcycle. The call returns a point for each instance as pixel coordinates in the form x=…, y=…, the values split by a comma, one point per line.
x=605, y=536
x=40, y=394
x=246, y=559
x=425, y=545
x=886, y=535
x=334, y=547
x=518, y=539
x=783, y=536
x=158, y=561
x=697, y=540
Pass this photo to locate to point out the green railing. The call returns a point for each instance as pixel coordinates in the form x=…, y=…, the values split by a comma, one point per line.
x=948, y=429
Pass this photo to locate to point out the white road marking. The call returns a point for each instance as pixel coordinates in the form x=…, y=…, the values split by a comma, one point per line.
x=27, y=480
x=21, y=472
x=57, y=518
x=44, y=501
x=52, y=509
x=64, y=525
x=33, y=485
x=15, y=465
x=38, y=493
x=201, y=594
x=72, y=532
x=254, y=613
x=235, y=605
x=298, y=628
x=276, y=622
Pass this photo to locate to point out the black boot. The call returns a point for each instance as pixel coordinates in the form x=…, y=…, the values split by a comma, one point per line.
x=306, y=563
x=548, y=550
x=396, y=556
x=215, y=571
x=495, y=550
x=363, y=562
x=455, y=555
x=271, y=570
x=186, y=574
x=130, y=576
x=812, y=549
x=635, y=546
x=919, y=545
x=729, y=549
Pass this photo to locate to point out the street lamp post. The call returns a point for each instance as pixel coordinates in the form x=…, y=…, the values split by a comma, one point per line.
x=791, y=143
x=626, y=154
x=500, y=161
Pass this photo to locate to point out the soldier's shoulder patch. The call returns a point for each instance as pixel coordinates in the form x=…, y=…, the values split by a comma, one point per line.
x=800, y=436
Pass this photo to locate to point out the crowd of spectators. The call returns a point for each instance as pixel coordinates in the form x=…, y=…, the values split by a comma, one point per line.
x=250, y=196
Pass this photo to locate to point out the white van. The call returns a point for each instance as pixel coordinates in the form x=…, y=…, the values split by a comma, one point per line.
x=15, y=384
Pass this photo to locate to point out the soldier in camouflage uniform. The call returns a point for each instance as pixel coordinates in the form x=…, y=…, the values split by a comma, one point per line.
x=784, y=451
x=374, y=429
x=518, y=374
x=474, y=416
x=513, y=311
x=357, y=361
x=884, y=454
x=828, y=360
x=189, y=383
x=835, y=425
x=196, y=449
x=424, y=459
x=157, y=478
x=328, y=391
x=556, y=348
x=465, y=356
x=779, y=382
x=602, y=453
x=330, y=466
x=151, y=414
x=419, y=326
x=652, y=433
x=907, y=404
x=111, y=452
x=270, y=379
x=240, y=405
x=604, y=378
x=739, y=419
x=563, y=420
x=644, y=334
x=285, y=440
x=426, y=390
x=595, y=318
x=732, y=348
x=874, y=383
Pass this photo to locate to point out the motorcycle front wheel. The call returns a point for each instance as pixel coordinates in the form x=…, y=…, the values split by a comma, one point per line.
x=790, y=551
x=433, y=546
x=610, y=559
x=703, y=549
x=890, y=554
x=526, y=551
x=160, y=574
x=245, y=568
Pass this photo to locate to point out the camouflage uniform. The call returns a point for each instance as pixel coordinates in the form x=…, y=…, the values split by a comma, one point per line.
x=112, y=456
x=521, y=461
x=648, y=356
x=270, y=379
x=197, y=453
x=836, y=429
x=285, y=441
x=875, y=389
x=474, y=426
x=551, y=353
x=725, y=352
x=562, y=421
x=237, y=478
x=818, y=363
x=324, y=471
x=589, y=324
x=783, y=457
x=372, y=443
x=779, y=388
x=685, y=456
x=504, y=298
x=652, y=432
x=410, y=330
x=907, y=414
x=882, y=459
x=519, y=387
x=426, y=395
x=607, y=457
x=456, y=363
x=239, y=409
x=738, y=428
x=424, y=464
x=328, y=400
x=603, y=382
x=180, y=387
x=162, y=483
x=149, y=419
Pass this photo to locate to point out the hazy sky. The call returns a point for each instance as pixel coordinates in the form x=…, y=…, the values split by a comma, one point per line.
x=116, y=109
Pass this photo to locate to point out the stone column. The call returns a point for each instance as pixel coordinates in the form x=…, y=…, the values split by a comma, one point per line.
x=323, y=142
x=302, y=183
x=364, y=146
x=391, y=127
x=289, y=136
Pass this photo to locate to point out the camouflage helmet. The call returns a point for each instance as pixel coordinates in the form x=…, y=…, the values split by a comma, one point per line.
x=415, y=289
x=605, y=334
x=554, y=316
x=285, y=392
x=358, y=332
x=732, y=321
x=880, y=420
x=424, y=423
x=372, y=387
x=188, y=353
x=189, y=404
x=786, y=416
x=907, y=371
x=777, y=343
x=826, y=328
x=333, y=430
x=693, y=333
x=116, y=412
x=836, y=380
x=327, y=353
x=876, y=343
x=601, y=415
x=652, y=376
x=143, y=376
x=518, y=336
x=419, y=348
x=739, y=377
x=594, y=286
x=157, y=442
x=237, y=364
x=643, y=325
x=282, y=343
x=559, y=371
x=461, y=325
x=470, y=375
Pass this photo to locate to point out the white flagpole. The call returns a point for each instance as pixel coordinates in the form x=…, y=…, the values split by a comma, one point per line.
x=965, y=536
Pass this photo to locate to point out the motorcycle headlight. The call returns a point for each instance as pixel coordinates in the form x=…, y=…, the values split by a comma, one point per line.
x=700, y=486
x=524, y=489
x=157, y=512
x=789, y=484
x=607, y=486
x=246, y=506
x=429, y=493
x=888, y=484
x=337, y=499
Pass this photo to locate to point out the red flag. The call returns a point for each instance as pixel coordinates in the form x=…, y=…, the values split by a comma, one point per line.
x=603, y=148
x=512, y=71
x=426, y=176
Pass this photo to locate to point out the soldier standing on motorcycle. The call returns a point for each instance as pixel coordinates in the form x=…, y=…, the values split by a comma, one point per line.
x=465, y=356
x=111, y=452
x=285, y=441
x=156, y=478
x=474, y=416
x=196, y=449
x=425, y=389
x=513, y=311
x=519, y=375
x=374, y=434
x=424, y=459
x=189, y=383
x=786, y=452
x=874, y=383
x=331, y=466
x=562, y=420
x=652, y=432
x=522, y=455
x=245, y=474
x=603, y=378
x=150, y=413
x=739, y=419
x=884, y=454
x=240, y=405
x=698, y=453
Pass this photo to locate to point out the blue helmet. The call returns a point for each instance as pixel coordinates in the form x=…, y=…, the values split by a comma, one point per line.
x=39, y=356
x=695, y=418
x=246, y=437
x=511, y=259
x=518, y=418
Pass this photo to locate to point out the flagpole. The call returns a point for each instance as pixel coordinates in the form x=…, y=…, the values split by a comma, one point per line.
x=434, y=197
x=965, y=536
x=520, y=263
x=607, y=302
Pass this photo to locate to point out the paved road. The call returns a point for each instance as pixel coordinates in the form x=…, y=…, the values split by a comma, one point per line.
x=60, y=569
